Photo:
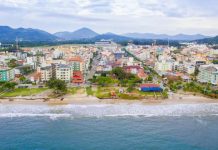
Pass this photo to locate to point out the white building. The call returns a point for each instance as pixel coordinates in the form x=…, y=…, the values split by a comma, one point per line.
x=63, y=72
x=164, y=66
x=46, y=73
x=208, y=74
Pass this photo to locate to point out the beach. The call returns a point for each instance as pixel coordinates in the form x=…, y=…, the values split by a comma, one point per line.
x=83, y=99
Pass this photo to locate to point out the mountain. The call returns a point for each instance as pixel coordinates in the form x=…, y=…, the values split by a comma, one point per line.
x=178, y=37
x=83, y=33
x=111, y=36
x=213, y=40
x=184, y=37
x=10, y=34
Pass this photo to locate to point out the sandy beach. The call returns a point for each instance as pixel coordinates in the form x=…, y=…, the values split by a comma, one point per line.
x=82, y=99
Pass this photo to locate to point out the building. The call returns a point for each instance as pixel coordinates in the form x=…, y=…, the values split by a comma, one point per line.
x=45, y=73
x=149, y=87
x=77, y=64
x=77, y=77
x=63, y=72
x=208, y=74
x=190, y=69
x=132, y=69
x=164, y=66
x=6, y=74
x=106, y=44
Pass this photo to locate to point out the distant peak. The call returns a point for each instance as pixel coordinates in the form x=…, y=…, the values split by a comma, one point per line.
x=110, y=33
x=84, y=28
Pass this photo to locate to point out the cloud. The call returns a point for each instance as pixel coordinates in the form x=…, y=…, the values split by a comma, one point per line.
x=113, y=15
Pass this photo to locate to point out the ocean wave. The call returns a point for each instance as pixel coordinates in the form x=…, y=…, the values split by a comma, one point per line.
x=106, y=110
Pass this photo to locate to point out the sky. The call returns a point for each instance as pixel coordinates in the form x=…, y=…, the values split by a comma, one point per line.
x=117, y=16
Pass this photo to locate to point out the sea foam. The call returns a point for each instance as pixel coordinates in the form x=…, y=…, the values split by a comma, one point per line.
x=110, y=110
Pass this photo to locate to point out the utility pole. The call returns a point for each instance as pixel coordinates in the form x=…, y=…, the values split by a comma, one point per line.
x=17, y=47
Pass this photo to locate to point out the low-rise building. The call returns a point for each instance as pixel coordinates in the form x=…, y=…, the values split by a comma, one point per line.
x=77, y=77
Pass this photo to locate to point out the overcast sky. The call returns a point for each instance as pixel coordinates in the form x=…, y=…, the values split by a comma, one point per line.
x=118, y=16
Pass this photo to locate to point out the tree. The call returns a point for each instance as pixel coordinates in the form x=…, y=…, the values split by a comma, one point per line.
x=59, y=86
x=12, y=63
x=9, y=86
x=104, y=81
x=119, y=73
x=196, y=71
x=215, y=61
x=27, y=70
x=22, y=79
x=150, y=78
x=165, y=93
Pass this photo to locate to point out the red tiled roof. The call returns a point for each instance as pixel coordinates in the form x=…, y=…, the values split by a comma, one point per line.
x=149, y=85
x=132, y=67
x=77, y=58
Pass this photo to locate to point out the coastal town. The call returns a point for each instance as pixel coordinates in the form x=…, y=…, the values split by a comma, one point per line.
x=108, y=70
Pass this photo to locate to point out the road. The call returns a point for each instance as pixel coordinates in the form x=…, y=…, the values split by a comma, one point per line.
x=94, y=65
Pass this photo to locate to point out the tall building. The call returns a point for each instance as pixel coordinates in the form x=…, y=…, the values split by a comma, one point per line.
x=63, y=72
x=208, y=74
x=6, y=74
x=46, y=73
x=77, y=64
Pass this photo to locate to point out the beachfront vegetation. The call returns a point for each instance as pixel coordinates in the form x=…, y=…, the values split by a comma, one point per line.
x=117, y=77
x=114, y=93
x=194, y=87
x=73, y=90
x=23, y=92
x=89, y=91
x=59, y=86
x=7, y=86
x=109, y=84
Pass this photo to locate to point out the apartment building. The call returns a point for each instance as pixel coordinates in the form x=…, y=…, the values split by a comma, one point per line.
x=77, y=64
x=45, y=73
x=6, y=74
x=208, y=74
x=63, y=72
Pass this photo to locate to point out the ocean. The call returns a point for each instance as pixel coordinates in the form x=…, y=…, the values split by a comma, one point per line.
x=109, y=127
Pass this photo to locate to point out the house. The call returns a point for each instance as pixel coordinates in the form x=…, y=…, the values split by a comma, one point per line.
x=77, y=77
x=132, y=69
x=35, y=77
x=141, y=74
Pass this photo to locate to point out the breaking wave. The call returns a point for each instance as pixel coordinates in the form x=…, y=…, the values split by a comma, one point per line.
x=112, y=110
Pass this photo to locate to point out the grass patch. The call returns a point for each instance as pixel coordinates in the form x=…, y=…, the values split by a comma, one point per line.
x=76, y=90
x=73, y=90
x=24, y=92
x=89, y=91
x=130, y=96
x=103, y=95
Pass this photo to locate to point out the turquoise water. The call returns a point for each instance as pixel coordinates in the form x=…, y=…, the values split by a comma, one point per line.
x=79, y=128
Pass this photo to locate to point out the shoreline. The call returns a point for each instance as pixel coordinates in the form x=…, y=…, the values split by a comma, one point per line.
x=82, y=99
